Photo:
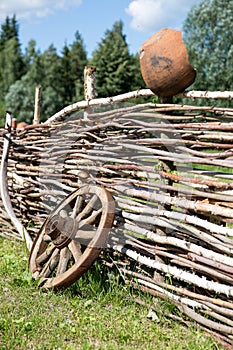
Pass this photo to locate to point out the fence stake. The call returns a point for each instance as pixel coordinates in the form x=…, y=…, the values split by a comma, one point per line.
x=36, y=118
x=89, y=86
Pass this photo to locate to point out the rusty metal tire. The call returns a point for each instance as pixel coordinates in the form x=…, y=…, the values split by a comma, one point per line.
x=72, y=237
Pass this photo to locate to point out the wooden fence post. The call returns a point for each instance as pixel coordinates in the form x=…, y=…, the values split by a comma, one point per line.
x=89, y=86
x=36, y=118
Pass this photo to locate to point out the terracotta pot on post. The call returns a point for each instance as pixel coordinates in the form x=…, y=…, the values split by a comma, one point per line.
x=164, y=63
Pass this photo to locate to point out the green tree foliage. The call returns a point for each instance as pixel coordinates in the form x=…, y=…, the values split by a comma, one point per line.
x=21, y=94
x=73, y=61
x=61, y=76
x=31, y=54
x=137, y=80
x=67, y=79
x=20, y=99
x=51, y=81
x=42, y=70
x=58, y=76
x=78, y=60
x=208, y=34
x=11, y=59
x=114, y=64
x=9, y=30
x=13, y=67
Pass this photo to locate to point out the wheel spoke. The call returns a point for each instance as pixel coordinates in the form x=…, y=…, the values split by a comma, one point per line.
x=42, y=281
x=91, y=219
x=75, y=248
x=51, y=264
x=65, y=256
x=46, y=255
x=78, y=206
x=85, y=235
x=88, y=208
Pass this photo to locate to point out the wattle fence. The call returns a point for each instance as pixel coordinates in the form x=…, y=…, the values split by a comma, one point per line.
x=169, y=169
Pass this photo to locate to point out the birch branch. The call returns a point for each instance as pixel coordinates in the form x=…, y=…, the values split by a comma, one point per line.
x=177, y=273
x=130, y=95
x=191, y=313
x=135, y=207
x=208, y=94
x=224, y=307
x=196, y=206
x=180, y=243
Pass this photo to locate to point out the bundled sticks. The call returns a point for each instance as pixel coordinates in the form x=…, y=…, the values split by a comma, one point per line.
x=170, y=170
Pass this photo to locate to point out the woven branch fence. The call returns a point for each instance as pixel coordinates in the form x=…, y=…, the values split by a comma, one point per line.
x=169, y=168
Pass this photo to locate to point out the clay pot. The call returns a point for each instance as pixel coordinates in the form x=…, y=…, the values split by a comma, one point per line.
x=164, y=63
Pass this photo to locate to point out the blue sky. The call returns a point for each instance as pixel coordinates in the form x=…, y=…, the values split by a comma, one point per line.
x=56, y=21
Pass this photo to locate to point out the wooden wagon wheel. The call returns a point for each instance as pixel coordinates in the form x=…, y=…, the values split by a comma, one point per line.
x=72, y=237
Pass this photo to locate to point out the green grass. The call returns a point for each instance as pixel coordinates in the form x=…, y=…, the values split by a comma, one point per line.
x=214, y=168
x=97, y=312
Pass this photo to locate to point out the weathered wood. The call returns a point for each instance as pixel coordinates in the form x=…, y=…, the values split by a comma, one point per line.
x=4, y=184
x=123, y=149
x=36, y=117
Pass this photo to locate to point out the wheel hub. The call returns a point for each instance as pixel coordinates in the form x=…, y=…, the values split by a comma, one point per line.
x=61, y=230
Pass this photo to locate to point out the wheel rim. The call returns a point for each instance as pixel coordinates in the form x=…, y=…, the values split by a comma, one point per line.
x=72, y=237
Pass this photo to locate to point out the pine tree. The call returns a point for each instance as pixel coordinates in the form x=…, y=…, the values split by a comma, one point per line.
x=115, y=70
x=31, y=54
x=11, y=60
x=78, y=61
x=74, y=60
x=9, y=30
x=137, y=80
x=67, y=78
x=52, y=81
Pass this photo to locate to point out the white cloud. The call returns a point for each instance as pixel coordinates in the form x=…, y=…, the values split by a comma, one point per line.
x=38, y=8
x=148, y=15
